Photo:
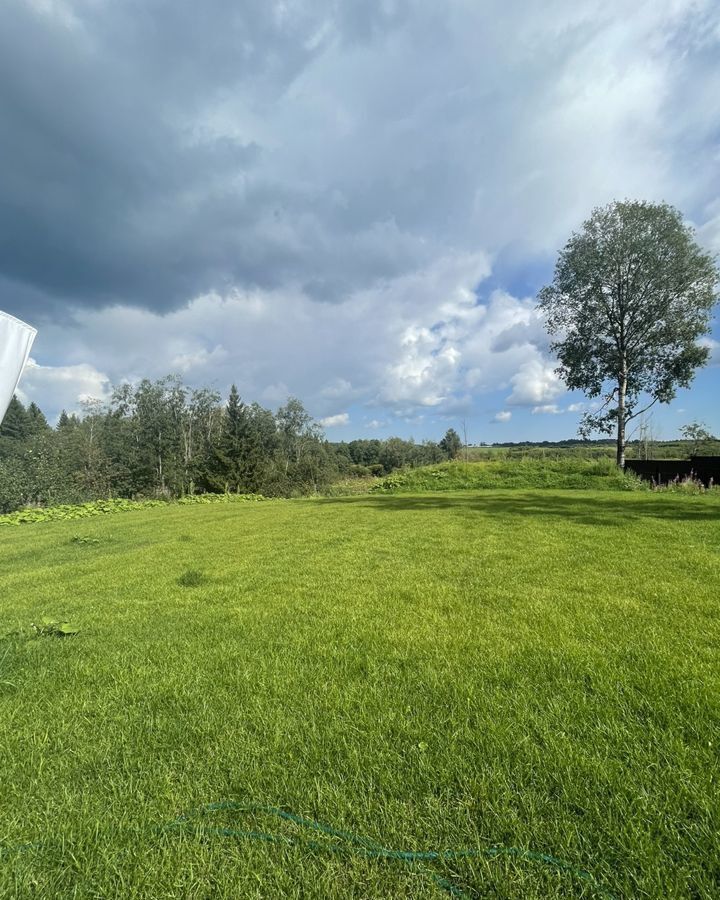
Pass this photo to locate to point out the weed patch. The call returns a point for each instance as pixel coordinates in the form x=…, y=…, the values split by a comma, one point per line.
x=48, y=627
x=192, y=578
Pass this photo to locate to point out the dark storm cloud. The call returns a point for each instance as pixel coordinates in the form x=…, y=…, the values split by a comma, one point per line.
x=108, y=192
x=155, y=150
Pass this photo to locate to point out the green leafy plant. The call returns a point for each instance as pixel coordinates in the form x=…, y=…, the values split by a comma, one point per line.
x=69, y=512
x=48, y=627
x=220, y=498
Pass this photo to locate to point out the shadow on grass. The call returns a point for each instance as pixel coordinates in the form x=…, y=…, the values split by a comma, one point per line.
x=612, y=510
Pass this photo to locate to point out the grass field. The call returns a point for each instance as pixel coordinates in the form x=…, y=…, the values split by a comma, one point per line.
x=527, y=669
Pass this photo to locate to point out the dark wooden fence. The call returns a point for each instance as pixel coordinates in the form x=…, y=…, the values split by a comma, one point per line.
x=702, y=468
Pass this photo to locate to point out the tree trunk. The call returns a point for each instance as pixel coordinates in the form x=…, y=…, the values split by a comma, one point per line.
x=160, y=463
x=622, y=390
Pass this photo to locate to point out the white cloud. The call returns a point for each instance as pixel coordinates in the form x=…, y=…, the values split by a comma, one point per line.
x=714, y=348
x=340, y=387
x=334, y=421
x=503, y=416
x=535, y=383
x=274, y=394
x=56, y=9
x=709, y=232
x=62, y=387
x=547, y=409
x=198, y=359
x=438, y=345
x=576, y=407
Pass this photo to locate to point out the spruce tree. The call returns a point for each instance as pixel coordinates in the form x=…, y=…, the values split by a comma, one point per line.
x=233, y=444
x=37, y=423
x=16, y=424
x=451, y=444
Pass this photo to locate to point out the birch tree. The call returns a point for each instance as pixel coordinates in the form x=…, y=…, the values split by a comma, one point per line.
x=631, y=298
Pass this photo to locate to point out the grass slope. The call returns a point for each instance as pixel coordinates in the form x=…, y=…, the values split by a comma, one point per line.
x=566, y=473
x=532, y=669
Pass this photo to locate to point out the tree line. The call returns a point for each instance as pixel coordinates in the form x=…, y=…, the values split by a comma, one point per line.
x=165, y=439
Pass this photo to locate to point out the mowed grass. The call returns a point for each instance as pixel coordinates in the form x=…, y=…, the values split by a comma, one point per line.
x=537, y=670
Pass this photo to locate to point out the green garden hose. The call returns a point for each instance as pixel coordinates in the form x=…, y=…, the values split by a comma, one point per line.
x=346, y=844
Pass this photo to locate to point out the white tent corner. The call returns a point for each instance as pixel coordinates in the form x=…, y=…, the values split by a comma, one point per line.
x=16, y=340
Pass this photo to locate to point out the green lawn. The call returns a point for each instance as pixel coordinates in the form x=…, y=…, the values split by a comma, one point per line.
x=537, y=670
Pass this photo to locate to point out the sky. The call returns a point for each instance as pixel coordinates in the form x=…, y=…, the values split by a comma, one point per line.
x=353, y=202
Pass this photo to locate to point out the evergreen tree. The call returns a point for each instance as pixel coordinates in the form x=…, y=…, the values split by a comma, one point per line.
x=16, y=424
x=451, y=444
x=262, y=441
x=231, y=450
x=235, y=424
x=37, y=423
x=67, y=422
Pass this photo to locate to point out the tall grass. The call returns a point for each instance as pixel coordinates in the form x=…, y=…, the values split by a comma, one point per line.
x=569, y=472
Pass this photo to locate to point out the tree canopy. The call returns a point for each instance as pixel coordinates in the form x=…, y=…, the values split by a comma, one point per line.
x=631, y=297
x=698, y=435
x=164, y=438
x=451, y=443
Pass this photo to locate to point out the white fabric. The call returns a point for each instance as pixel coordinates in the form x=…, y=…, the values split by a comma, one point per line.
x=16, y=339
